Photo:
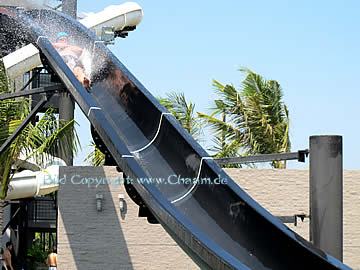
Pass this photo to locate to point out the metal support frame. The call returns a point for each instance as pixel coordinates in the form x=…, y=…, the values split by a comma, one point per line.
x=30, y=80
x=66, y=102
x=10, y=221
x=26, y=121
x=293, y=219
x=123, y=33
x=34, y=91
x=299, y=156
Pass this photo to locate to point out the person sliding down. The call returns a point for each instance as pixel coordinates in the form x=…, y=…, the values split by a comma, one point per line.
x=71, y=55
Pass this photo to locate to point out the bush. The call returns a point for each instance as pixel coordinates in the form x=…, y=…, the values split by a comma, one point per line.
x=36, y=253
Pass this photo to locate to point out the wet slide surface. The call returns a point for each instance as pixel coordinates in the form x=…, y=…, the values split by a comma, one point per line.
x=197, y=203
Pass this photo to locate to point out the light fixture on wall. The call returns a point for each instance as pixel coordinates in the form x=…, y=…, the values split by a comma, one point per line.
x=99, y=199
x=122, y=202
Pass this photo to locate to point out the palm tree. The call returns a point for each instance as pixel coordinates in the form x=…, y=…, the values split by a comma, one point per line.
x=254, y=120
x=184, y=112
x=36, y=141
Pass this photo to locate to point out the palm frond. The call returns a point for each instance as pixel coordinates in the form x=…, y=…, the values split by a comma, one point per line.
x=184, y=112
x=96, y=157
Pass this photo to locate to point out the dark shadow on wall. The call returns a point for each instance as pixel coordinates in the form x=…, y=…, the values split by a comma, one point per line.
x=93, y=238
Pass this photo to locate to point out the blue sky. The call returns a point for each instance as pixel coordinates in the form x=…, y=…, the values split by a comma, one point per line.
x=310, y=47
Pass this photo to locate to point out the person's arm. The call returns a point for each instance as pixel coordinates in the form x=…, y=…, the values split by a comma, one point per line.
x=10, y=264
x=76, y=49
x=59, y=45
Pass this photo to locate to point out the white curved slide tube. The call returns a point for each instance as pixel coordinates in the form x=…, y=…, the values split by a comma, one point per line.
x=117, y=16
x=27, y=184
x=21, y=61
x=23, y=3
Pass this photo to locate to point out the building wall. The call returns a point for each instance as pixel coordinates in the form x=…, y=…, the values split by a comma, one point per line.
x=286, y=192
x=88, y=239
x=92, y=240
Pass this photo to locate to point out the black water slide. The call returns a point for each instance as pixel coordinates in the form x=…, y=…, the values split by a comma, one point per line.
x=198, y=204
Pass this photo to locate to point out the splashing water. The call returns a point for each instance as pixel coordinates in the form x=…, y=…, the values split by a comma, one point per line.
x=51, y=25
x=86, y=60
x=25, y=3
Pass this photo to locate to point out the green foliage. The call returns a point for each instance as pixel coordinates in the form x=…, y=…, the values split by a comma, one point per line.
x=184, y=112
x=36, y=253
x=4, y=84
x=96, y=157
x=34, y=141
x=254, y=119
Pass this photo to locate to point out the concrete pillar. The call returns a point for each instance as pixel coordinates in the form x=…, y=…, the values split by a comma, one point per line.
x=70, y=7
x=66, y=112
x=66, y=103
x=326, y=194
